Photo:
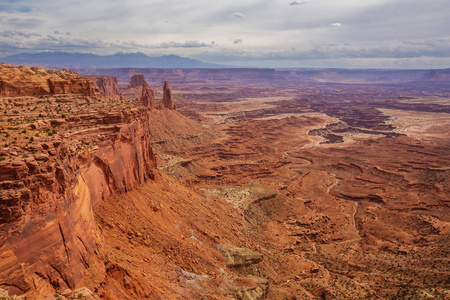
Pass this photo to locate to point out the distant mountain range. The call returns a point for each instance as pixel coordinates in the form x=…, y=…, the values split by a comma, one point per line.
x=119, y=60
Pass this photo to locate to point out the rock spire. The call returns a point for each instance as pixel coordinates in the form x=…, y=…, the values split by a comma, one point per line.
x=167, y=101
x=148, y=97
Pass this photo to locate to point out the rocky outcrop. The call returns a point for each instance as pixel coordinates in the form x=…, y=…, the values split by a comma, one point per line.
x=72, y=86
x=48, y=194
x=239, y=257
x=107, y=86
x=25, y=81
x=256, y=292
x=81, y=293
x=138, y=80
x=148, y=97
x=137, y=87
x=242, y=260
x=167, y=101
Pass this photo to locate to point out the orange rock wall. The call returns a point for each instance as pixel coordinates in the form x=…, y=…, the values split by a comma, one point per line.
x=47, y=229
x=107, y=86
x=26, y=81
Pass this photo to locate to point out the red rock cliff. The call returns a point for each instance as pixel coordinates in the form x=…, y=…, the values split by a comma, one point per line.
x=26, y=81
x=138, y=80
x=137, y=88
x=49, y=190
x=148, y=97
x=107, y=86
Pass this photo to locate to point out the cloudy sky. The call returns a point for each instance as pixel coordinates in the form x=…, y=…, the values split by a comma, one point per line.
x=259, y=33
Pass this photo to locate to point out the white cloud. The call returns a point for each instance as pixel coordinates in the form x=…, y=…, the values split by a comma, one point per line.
x=336, y=25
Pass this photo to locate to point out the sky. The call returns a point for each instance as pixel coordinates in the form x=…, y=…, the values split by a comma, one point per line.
x=263, y=33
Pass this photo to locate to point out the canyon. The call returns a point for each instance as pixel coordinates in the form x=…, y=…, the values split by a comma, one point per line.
x=229, y=184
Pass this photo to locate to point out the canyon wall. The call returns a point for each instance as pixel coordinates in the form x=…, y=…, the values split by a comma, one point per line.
x=107, y=86
x=51, y=183
x=35, y=81
x=83, y=207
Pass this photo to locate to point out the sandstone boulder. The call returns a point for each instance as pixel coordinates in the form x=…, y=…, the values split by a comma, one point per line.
x=239, y=257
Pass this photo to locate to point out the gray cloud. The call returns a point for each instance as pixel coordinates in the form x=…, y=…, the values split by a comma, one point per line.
x=11, y=41
x=237, y=15
x=298, y=2
x=274, y=33
x=15, y=33
x=404, y=50
x=21, y=22
x=189, y=44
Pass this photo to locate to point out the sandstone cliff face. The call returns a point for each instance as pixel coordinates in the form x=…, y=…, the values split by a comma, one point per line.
x=72, y=86
x=107, y=86
x=56, y=170
x=26, y=81
x=47, y=197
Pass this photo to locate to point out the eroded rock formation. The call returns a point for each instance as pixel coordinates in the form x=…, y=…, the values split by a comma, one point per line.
x=26, y=81
x=56, y=171
x=138, y=80
x=167, y=101
x=148, y=97
x=136, y=88
x=107, y=86
x=139, y=89
x=253, y=207
x=48, y=200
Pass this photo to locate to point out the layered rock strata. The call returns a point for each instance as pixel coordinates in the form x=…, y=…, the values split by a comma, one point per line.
x=137, y=87
x=50, y=183
x=138, y=80
x=107, y=86
x=26, y=81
